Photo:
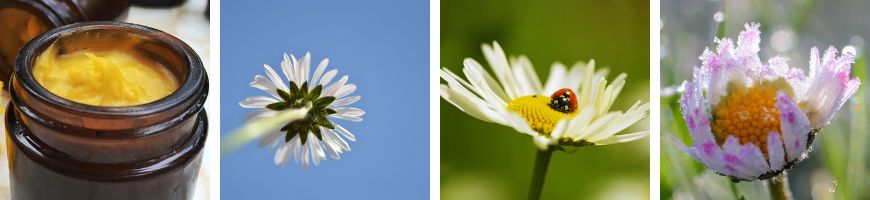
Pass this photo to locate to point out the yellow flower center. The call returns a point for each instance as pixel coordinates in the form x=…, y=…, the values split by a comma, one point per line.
x=536, y=111
x=747, y=114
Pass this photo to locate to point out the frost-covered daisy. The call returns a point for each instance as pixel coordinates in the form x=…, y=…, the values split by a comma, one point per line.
x=751, y=120
x=313, y=135
x=516, y=97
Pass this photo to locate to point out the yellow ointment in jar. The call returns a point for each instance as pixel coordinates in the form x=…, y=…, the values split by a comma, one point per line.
x=105, y=77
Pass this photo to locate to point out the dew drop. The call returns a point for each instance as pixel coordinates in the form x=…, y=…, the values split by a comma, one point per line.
x=718, y=17
x=849, y=50
x=782, y=39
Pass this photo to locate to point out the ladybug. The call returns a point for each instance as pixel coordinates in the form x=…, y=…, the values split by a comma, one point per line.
x=564, y=100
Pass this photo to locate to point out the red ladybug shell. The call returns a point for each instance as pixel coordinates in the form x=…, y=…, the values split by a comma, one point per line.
x=558, y=100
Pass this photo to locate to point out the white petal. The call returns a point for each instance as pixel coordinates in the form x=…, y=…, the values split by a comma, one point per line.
x=329, y=142
x=297, y=148
x=348, y=118
x=574, y=77
x=257, y=102
x=526, y=77
x=621, y=123
x=628, y=137
x=479, y=81
x=316, y=149
x=304, y=67
x=330, y=91
x=497, y=60
x=306, y=154
x=276, y=80
x=345, y=90
x=264, y=84
x=328, y=77
x=559, y=129
x=612, y=92
x=587, y=84
x=270, y=137
x=469, y=104
x=354, y=112
x=579, y=122
x=283, y=154
x=338, y=141
x=288, y=67
x=557, y=75
x=345, y=133
x=344, y=101
x=315, y=80
x=596, y=125
x=456, y=92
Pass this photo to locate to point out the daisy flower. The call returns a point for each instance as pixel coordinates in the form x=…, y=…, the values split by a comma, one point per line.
x=751, y=120
x=314, y=134
x=517, y=98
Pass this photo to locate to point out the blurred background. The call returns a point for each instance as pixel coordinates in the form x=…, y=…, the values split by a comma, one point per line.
x=836, y=168
x=483, y=161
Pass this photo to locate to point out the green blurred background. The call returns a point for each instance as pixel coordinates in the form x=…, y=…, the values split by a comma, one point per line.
x=837, y=166
x=489, y=161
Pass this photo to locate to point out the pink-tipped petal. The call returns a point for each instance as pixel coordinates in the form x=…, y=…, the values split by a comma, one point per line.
x=709, y=153
x=754, y=159
x=734, y=163
x=775, y=153
x=748, y=43
x=830, y=83
x=695, y=113
x=682, y=147
x=795, y=127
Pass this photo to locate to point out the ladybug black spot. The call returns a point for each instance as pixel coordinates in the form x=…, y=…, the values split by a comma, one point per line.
x=562, y=103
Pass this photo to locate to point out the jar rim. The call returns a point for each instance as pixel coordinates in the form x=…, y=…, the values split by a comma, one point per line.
x=190, y=85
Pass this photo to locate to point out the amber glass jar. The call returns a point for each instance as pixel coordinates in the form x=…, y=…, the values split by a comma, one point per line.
x=21, y=20
x=60, y=149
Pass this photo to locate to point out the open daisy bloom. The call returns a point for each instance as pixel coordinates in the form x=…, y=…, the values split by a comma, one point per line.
x=550, y=112
x=316, y=99
x=750, y=120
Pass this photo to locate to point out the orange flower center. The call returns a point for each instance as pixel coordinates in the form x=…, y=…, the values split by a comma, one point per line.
x=747, y=114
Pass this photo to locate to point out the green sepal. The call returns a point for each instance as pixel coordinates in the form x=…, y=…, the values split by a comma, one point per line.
x=304, y=89
x=304, y=137
x=323, y=102
x=284, y=96
x=277, y=105
x=289, y=136
x=317, y=133
x=322, y=121
x=293, y=88
x=314, y=93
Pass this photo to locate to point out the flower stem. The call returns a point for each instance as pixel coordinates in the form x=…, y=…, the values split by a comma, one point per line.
x=778, y=187
x=542, y=161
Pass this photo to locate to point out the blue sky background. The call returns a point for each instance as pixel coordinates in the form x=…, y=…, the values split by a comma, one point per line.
x=383, y=46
